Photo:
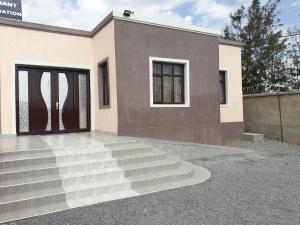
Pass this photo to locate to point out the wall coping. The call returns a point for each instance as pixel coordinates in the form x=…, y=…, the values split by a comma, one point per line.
x=165, y=24
x=42, y=27
x=223, y=41
x=272, y=94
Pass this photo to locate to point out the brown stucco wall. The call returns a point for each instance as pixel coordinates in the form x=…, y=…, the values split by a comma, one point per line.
x=200, y=122
x=232, y=131
x=274, y=115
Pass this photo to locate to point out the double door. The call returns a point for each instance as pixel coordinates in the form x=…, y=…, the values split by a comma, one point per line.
x=52, y=100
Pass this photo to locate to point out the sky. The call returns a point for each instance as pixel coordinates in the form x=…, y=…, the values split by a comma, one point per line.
x=86, y=14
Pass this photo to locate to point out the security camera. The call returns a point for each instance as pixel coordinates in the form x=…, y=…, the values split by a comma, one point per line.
x=127, y=12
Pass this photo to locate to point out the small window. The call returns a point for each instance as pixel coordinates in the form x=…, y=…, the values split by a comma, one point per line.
x=103, y=85
x=223, y=88
x=168, y=83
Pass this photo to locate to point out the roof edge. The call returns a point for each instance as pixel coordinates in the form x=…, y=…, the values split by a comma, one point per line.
x=153, y=22
x=102, y=24
x=231, y=42
x=42, y=27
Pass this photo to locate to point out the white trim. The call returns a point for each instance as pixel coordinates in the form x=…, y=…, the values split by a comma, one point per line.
x=39, y=63
x=226, y=87
x=161, y=23
x=186, y=82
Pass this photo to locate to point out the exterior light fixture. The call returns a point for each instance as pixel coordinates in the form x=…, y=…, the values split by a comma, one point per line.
x=127, y=12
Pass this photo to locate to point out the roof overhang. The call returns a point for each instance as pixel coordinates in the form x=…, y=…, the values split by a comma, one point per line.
x=223, y=41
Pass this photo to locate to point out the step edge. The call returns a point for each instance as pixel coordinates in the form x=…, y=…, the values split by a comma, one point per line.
x=76, y=153
x=115, y=158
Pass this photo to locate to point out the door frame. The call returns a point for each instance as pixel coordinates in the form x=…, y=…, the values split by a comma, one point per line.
x=26, y=66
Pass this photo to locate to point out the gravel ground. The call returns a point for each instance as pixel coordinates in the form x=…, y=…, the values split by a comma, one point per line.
x=260, y=187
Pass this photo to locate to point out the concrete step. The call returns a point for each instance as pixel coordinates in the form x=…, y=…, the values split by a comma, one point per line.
x=60, y=206
x=73, y=182
x=53, y=171
x=102, y=162
x=36, y=151
x=120, y=143
x=141, y=182
x=9, y=163
x=129, y=148
x=253, y=137
x=39, y=153
x=78, y=197
x=30, y=151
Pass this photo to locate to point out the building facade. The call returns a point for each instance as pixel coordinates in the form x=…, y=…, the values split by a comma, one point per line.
x=129, y=76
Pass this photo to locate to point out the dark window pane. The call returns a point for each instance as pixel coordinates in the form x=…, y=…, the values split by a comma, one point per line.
x=167, y=89
x=222, y=94
x=222, y=75
x=222, y=78
x=178, y=90
x=157, y=90
x=167, y=69
x=178, y=69
x=105, y=87
x=157, y=68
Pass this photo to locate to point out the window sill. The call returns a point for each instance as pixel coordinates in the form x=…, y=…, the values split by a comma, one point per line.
x=169, y=105
x=224, y=105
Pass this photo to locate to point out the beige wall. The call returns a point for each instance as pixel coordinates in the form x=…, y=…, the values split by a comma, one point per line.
x=104, y=47
x=23, y=46
x=230, y=61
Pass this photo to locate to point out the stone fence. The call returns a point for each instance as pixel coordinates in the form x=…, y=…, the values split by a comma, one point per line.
x=275, y=115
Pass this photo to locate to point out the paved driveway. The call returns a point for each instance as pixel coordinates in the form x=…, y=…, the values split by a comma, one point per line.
x=246, y=187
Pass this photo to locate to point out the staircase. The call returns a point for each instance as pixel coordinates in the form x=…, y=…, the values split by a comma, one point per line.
x=40, y=181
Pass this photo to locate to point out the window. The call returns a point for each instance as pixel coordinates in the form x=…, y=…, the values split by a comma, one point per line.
x=103, y=85
x=169, y=82
x=223, y=88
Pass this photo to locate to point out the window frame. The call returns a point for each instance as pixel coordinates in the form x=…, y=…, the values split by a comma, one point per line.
x=101, y=84
x=226, y=87
x=186, y=81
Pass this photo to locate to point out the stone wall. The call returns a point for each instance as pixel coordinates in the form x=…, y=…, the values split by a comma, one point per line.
x=277, y=116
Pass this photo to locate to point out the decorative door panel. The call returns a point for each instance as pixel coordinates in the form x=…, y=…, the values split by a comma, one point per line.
x=46, y=94
x=52, y=100
x=63, y=90
x=23, y=107
x=83, y=101
x=68, y=101
x=38, y=113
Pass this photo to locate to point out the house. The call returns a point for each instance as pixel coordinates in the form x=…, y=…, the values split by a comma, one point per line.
x=129, y=76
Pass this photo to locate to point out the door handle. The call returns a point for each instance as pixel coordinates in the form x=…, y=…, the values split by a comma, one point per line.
x=57, y=105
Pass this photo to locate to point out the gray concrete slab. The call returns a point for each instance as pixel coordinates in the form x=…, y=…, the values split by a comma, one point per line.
x=253, y=137
x=16, y=143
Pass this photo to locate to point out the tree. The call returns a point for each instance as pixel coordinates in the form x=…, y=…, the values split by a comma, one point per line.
x=258, y=27
x=293, y=59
